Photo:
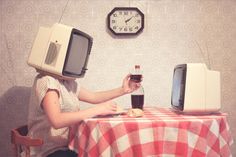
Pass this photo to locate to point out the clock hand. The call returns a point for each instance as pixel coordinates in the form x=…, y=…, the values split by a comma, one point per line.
x=128, y=19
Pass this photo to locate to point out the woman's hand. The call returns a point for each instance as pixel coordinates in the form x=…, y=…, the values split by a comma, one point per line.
x=129, y=86
x=108, y=107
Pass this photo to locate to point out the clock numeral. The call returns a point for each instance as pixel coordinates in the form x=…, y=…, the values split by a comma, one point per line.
x=114, y=15
x=130, y=29
x=113, y=21
x=114, y=27
x=136, y=15
x=120, y=12
x=138, y=21
x=136, y=27
x=125, y=29
x=120, y=28
x=126, y=13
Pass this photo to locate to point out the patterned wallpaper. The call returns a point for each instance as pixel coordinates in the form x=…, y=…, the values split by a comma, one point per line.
x=176, y=31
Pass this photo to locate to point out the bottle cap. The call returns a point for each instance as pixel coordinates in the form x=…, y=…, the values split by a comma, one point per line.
x=137, y=66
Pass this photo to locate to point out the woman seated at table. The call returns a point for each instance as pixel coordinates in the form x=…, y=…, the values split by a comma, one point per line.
x=54, y=106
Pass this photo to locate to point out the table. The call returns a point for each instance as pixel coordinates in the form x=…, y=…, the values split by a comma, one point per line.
x=159, y=133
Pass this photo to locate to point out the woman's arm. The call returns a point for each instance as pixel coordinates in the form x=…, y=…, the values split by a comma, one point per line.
x=99, y=97
x=60, y=119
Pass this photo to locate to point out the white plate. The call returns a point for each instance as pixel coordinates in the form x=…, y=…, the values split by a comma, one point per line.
x=121, y=112
x=112, y=115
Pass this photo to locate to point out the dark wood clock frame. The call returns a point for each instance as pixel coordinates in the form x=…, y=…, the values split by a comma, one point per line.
x=128, y=9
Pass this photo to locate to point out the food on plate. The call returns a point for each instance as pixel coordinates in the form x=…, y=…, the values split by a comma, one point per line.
x=135, y=112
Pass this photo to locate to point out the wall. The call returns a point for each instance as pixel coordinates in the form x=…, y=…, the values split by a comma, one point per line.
x=173, y=31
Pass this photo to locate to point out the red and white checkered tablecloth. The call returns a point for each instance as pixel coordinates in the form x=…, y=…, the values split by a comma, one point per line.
x=160, y=132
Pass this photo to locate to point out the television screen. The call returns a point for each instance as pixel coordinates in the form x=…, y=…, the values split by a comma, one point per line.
x=77, y=54
x=178, y=90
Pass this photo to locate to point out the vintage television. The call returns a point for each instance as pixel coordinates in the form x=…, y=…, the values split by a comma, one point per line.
x=195, y=89
x=61, y=50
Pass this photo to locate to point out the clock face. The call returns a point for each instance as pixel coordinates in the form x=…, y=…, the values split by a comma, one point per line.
x=125, y=21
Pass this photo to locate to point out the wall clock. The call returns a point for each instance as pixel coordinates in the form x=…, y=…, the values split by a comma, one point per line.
x=125, y=21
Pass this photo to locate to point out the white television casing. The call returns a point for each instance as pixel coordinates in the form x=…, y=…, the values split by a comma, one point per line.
x=55, y=46
x=196, y=89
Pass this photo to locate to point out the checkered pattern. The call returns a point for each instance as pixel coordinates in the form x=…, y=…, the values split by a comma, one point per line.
x=160, y=132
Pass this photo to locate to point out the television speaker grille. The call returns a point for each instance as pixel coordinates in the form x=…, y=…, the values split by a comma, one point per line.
x=52, y=54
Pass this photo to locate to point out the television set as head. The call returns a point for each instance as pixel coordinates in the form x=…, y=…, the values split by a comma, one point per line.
x=195, y=89
x=61, y=50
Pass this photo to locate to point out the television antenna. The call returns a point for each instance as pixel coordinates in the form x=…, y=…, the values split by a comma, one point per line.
x=206, y=60
x=63, y=11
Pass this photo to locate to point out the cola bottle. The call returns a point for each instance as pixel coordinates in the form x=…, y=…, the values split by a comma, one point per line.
x=137, y=97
